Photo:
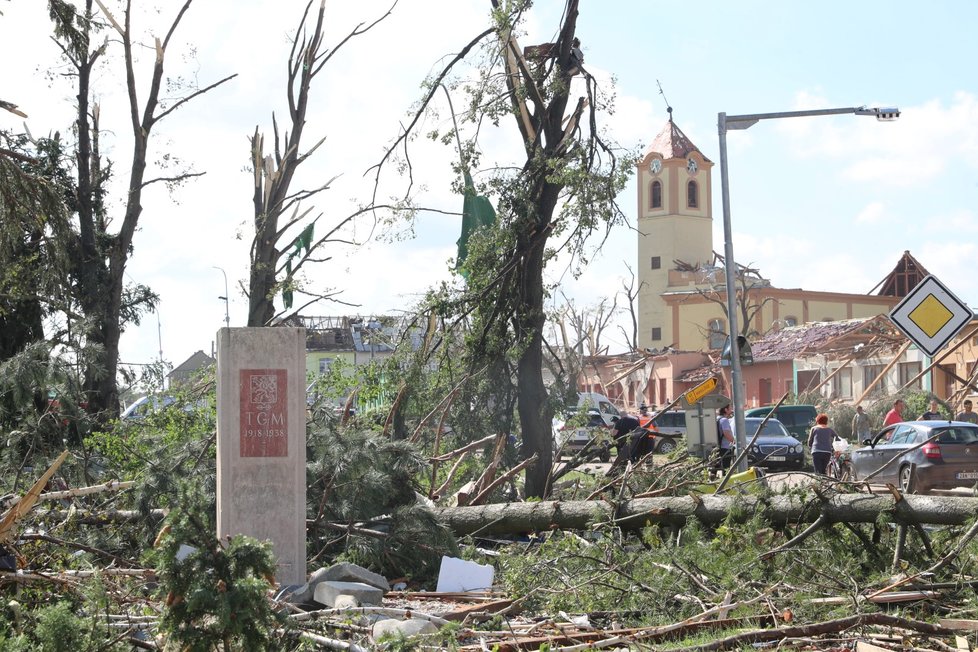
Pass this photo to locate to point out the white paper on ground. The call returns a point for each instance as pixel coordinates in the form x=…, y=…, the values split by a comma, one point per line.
x=457, y=575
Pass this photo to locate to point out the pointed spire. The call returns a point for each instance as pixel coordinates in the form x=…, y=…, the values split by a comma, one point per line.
x=672, y=142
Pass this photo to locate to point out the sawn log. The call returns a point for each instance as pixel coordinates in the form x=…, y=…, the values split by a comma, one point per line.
x=514, y=518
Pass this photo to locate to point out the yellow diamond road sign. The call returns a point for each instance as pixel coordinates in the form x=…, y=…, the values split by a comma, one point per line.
x=930, y=315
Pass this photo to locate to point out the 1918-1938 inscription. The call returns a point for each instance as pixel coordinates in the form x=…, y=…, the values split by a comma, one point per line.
x=264, y=413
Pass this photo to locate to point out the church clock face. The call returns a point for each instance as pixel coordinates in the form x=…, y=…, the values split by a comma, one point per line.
x=691, y=166
x=655, y=166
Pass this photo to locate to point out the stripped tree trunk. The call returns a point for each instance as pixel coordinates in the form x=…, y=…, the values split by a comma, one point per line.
x=514, y=518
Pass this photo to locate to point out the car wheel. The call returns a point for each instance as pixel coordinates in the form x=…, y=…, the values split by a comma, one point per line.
x=665, y=446
x=908, y=480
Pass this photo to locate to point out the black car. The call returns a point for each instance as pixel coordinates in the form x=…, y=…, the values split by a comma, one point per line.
x=920, y=456
x=774, y=448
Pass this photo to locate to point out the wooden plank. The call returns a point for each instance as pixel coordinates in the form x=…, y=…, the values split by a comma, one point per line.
x=863, y=646
x=959, y=624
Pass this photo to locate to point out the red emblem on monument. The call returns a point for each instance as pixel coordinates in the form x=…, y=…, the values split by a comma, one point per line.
x=264, y=413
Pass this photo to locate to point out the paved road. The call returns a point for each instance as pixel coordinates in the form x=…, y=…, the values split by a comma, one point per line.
x=779, y=480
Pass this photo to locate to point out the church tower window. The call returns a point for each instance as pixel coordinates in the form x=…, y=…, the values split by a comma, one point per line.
x=717, y=329
x=692, y=194
x=655, y=195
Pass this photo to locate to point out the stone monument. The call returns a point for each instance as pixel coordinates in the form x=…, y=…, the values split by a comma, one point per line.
x=261, y=441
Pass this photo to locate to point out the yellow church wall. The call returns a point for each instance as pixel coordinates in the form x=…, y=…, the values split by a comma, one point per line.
x=692, y=313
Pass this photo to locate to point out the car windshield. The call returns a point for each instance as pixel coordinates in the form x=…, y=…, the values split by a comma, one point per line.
x=771, y=429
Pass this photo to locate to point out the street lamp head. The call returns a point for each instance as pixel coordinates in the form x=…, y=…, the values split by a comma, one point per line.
x=883, y=115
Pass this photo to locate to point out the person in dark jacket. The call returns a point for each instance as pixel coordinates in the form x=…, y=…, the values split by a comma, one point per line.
x=622, y=426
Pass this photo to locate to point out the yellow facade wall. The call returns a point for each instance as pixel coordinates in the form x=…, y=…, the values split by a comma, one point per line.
x=691, y=313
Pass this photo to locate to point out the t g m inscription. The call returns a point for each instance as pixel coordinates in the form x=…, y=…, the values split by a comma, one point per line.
x=264, y=413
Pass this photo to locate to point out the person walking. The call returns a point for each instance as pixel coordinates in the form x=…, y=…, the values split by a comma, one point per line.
x=968, y=414
x=860, y=425
x=895, y=415
x=820, y=442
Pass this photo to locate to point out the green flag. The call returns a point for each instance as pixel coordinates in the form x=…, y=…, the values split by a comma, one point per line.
x=303, y=241
x=477, y=211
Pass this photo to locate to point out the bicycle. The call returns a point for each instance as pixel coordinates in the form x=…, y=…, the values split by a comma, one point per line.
x=839, y=466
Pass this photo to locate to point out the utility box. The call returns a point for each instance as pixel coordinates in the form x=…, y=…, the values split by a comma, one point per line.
x=701, y=424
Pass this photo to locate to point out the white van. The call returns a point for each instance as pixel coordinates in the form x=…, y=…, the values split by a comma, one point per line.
x=598, y=410
x=588, y=401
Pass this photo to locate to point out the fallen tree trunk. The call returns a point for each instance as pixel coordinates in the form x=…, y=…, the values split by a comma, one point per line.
x=514, y=518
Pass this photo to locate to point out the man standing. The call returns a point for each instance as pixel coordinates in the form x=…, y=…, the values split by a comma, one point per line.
x=895, y=415
x=725, y=438
x=860, y=425
x=932, y=413
x=644, y=418
x=968, y=415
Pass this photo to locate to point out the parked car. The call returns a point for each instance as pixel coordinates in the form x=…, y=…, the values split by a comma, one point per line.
x=949, y=461
x=147, y=405
x=775, y=448
x=672, y=422
x=797, y=419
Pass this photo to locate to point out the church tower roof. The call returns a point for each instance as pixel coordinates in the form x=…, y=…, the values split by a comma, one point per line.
x=672, y=143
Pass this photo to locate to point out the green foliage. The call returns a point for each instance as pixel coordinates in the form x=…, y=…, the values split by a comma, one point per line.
x=216, y=596
x=58, y=627
x=357, y=477
x=660, y=576
x=60, y=630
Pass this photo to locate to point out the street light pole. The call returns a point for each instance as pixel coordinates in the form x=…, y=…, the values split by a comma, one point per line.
x=724, y=123
x=227, y=311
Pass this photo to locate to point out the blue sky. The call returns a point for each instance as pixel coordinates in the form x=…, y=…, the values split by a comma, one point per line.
x=818, y=203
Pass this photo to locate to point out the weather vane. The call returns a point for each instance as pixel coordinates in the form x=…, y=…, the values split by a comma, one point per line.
x=664, y=99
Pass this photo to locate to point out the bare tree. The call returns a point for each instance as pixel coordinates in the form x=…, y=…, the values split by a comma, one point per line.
x=631, y=296
x=100, y=256
x=748, y=280
x=274, y=198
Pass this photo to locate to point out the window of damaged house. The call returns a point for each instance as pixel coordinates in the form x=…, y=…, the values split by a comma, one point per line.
x=842, y=384
x=692, y=194
x=870, y=373
x=716, y=333
x=790, y=320
x=906, y=371
x=655, y=194
x=808, y=379
x=324, y=364
x=656, y=334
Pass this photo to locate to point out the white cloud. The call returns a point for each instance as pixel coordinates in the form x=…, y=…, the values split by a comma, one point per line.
x=952, y=261
x=926, y=141
x=872, y=214
x=955, y=223
x=793, y=262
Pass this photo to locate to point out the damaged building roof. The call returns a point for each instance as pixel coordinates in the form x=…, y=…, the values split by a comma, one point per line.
x=833, y=339
x=907, y=274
